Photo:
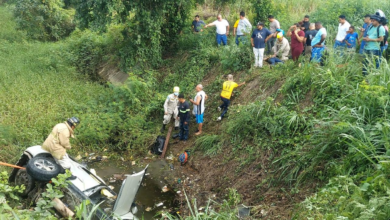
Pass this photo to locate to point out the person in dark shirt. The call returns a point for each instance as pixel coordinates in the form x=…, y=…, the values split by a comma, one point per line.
x=306, y=23
x=184, y=116
x=258, y=40
x=309, y=35
x=197, y=24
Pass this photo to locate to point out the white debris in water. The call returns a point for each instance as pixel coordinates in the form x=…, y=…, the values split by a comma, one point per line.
x=122, y=159
x=133, y=163
x=111, y=187
x=148, y=209
x=159, y=204
x=165, y=189
x=147, y=174
x=178, y=192
x=170, y=157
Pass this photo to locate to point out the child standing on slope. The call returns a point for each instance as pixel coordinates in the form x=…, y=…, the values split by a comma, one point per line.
x=351, y=39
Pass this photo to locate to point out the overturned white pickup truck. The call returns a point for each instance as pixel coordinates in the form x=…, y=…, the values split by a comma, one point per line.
x=41, y=167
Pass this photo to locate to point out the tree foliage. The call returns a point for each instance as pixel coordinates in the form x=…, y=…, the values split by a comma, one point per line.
x=44, y=20
x=262, y=9
x=149, y=27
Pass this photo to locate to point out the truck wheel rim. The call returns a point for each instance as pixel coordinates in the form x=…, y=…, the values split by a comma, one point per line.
x=22, y=178
x=44, y=165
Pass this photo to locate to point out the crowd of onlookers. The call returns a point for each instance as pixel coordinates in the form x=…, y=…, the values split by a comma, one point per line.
x=306, y=39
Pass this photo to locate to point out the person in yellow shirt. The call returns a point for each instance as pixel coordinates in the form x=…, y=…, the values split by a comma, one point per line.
x=226, y=94
x=235, y=27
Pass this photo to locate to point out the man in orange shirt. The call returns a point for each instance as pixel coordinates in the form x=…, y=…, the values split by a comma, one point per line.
x=227, y=90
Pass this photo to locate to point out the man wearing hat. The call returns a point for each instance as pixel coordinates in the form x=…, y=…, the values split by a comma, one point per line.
x=170, y=109
x=258, y=40
x=374, y=37
x=58, y=142
x=281, y=50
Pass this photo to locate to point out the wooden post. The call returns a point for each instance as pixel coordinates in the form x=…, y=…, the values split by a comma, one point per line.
x=166, y=142
x=62, y=209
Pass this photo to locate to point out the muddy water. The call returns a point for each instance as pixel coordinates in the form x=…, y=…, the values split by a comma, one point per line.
x=150, y=200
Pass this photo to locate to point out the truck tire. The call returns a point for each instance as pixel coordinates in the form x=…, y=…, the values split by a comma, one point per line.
x=43, y=168
x=23, y=178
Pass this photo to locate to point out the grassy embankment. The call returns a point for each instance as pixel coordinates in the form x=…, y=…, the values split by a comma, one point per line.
x=38, y=89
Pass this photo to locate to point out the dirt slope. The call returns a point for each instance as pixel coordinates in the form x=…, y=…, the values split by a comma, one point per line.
x=209, y=177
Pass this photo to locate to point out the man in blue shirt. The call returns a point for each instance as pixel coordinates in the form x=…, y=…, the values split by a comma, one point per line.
x=372, y=48
x=363, y=31
x=318, y=43
x=258, y=39
x=197, y=24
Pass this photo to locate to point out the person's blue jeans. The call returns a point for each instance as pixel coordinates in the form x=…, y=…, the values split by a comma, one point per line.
x=184, y=130
x=274, y=60
x=371, y=55
x=221, y=38
x=340, y=47
x=383, y=48
x=241, y=38
x=270, y=44
x=339, y=44
x=361, y=50
x=316, y=54
x=224, y=106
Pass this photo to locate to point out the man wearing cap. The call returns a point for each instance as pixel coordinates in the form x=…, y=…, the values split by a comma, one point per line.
x=374, y=37
x=281, y=50
x=243, y=28
x=273, y=25
x=341, y=33
x=258, y=39
x=184, y=117
x=170, y=108
x=227, y=90
x=318, y=43
x=58, y=142
x=222, y=26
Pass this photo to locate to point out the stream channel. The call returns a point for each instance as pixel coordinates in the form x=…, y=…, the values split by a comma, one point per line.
x=150, y=199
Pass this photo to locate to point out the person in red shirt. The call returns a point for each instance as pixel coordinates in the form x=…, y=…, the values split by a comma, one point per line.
x=297, y=39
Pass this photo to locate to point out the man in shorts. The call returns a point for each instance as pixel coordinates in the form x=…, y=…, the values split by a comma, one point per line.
x=199, y=107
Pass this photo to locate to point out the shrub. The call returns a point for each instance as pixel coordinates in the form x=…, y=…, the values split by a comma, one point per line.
x=44, y=20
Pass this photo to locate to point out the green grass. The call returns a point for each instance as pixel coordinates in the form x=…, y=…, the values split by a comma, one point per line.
x=38, y=88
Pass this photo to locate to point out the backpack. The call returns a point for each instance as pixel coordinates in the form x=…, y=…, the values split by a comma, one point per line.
x=158, y=146
x=383, y=43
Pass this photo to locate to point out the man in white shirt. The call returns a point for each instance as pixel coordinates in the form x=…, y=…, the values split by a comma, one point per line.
x=244, y=28
x=342, y=32
x=222, y=26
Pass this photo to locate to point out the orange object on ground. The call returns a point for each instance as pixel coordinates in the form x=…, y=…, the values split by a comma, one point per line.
x=11, y=165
